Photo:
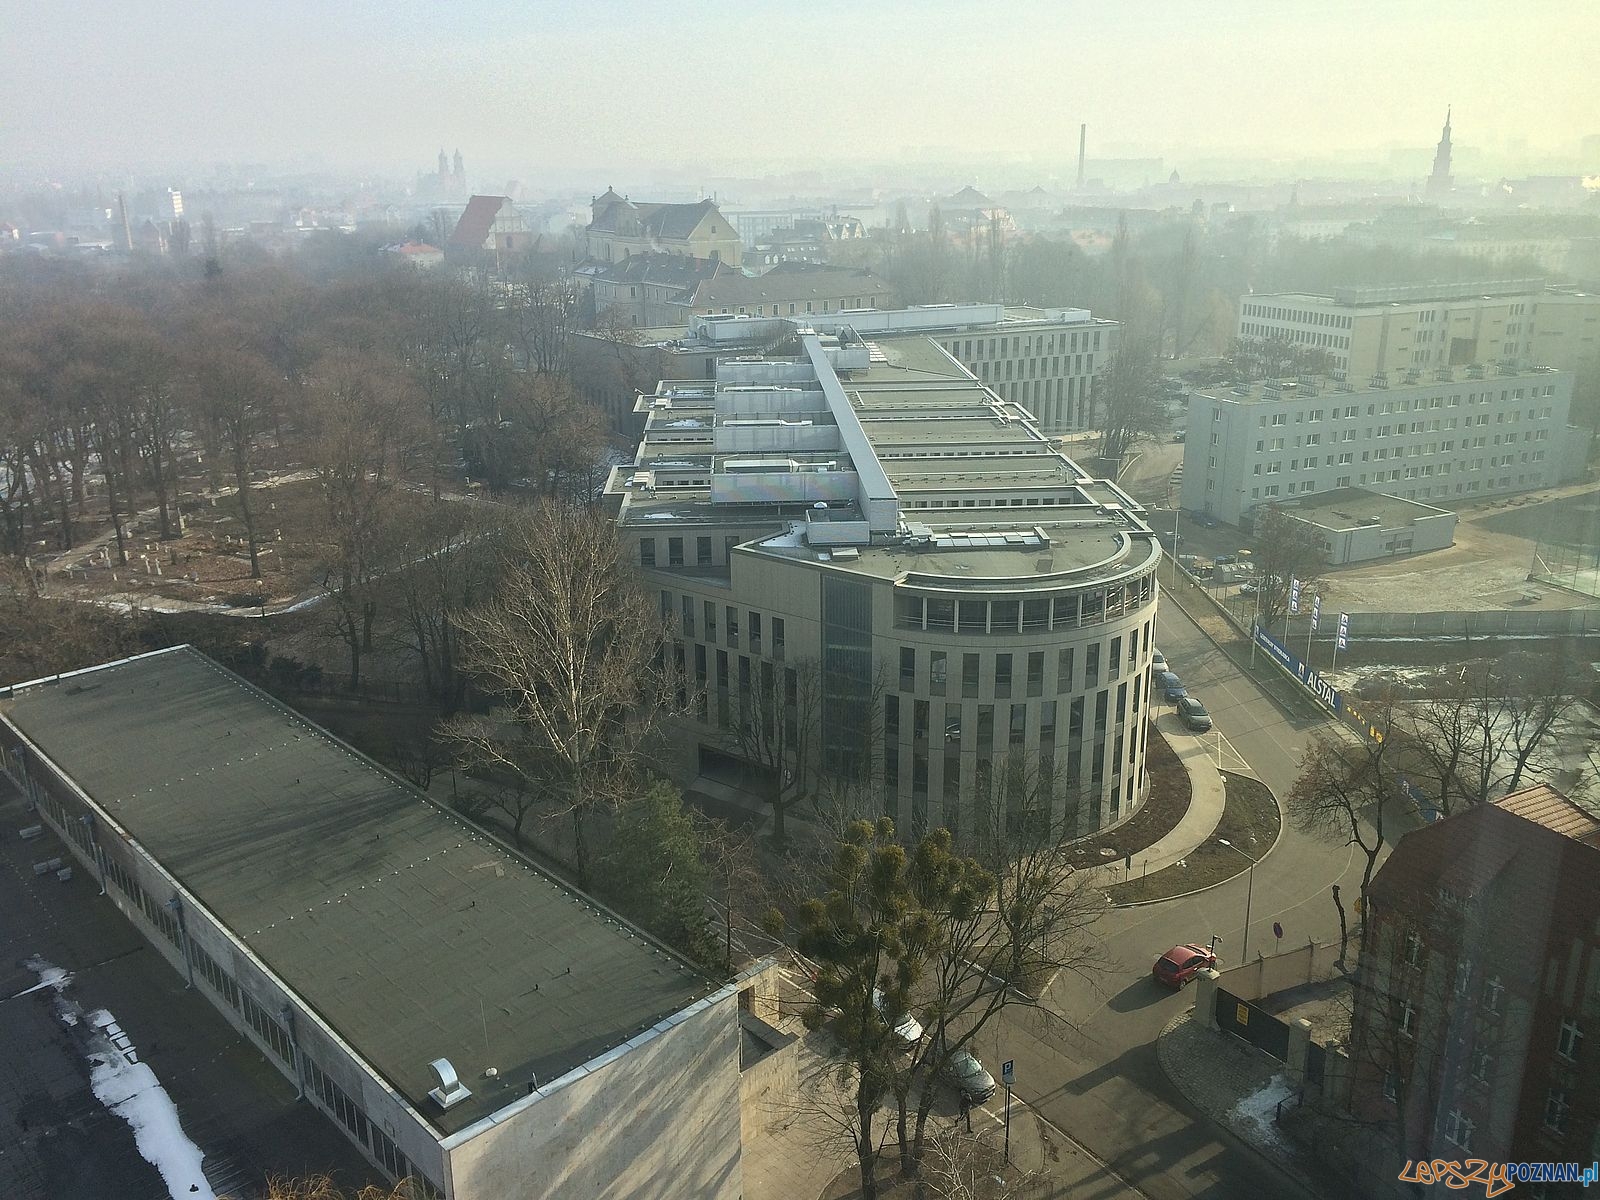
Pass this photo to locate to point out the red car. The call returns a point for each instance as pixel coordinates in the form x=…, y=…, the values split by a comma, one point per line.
x=1180, y=964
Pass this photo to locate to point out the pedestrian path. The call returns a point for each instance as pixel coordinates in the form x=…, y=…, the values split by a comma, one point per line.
x=1199, y=754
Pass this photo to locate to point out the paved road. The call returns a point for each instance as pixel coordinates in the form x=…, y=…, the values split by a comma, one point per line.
x=1089, y=1064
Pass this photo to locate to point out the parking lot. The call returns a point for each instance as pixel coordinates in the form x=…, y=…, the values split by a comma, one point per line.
x=58, y=1141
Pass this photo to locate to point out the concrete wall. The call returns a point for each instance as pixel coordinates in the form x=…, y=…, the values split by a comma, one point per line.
x=1273, y=973
x=659, y=1118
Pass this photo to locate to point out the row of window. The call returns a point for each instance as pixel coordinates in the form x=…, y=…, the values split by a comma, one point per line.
x=755, y=631
x=1089, y=606
x=1421, y=404
x=970, y=350
x=1272, y=312
x=994, y=675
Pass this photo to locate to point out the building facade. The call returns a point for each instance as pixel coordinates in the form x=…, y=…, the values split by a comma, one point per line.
x=1046, y=360
x=1479, y=982
x=1384, y=331
x=620, y=228
x=459, y=1013
x=492, y=226
x=865, y=522
x=1448, y=436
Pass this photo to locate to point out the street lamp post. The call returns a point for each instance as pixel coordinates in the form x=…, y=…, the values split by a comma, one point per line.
x=1249, y=895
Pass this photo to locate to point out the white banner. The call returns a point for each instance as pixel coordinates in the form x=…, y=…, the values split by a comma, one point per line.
x=1316, y=612
x=1294, y=597
x=1343, y=640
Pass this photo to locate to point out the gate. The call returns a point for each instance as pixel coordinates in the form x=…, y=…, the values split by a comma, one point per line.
x=1255, y=1025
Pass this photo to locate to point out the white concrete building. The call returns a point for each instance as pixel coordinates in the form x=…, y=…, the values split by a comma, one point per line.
x=1389, y=331
x=1448, y=437
x=978, y=608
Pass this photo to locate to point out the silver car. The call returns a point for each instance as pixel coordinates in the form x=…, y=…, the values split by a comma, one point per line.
x=967, y=1075
x=908, y=1029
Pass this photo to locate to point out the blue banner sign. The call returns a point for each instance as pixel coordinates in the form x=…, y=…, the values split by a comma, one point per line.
x=1309, y=678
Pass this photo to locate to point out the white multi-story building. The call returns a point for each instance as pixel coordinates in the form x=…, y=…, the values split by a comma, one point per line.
x=978, y=609
x=1448, y=437
x=1369, y=332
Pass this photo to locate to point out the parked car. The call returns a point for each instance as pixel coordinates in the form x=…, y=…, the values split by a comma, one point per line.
x=1193, y=714
x=1249, y=587
x=1158, y=663
x=1223, y=560
x=908, y=1029
x=1171, y=687
x=1180, y=436
x=967, y=1075
x=1181, y=964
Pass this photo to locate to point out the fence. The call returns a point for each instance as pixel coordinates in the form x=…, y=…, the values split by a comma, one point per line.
x=1488, y=623
x=1252, y=1023
x=1320, y=1073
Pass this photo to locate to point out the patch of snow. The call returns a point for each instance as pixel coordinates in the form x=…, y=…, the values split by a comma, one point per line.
x=130, y=1089
x=685, y=423
x=661, y=516
x=792, y=539
x=1253, y=1115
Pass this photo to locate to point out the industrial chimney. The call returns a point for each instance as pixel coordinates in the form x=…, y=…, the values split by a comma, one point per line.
x=1083, y=138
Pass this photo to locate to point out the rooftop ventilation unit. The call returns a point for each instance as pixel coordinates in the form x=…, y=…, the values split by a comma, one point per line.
x=451, y=1091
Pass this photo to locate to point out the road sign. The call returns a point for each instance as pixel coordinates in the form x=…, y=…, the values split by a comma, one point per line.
x=1277, y=930
x=1007, y=1076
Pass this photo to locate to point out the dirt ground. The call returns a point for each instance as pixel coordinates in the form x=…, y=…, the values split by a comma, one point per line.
x=1250, y=821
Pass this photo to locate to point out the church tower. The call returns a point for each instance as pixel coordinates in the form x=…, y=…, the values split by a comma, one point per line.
x=460, y=172
x=1439, y=181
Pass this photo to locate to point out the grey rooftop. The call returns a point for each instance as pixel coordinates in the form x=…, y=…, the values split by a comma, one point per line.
x=411, y=935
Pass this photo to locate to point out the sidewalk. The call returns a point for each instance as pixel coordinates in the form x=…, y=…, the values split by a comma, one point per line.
x=1196, y=826
x=1237, y=1086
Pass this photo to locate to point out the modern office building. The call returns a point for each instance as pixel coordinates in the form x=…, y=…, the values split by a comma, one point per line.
x=1444, y=436
x=472, y=1023
x=862, y=510
x=1047, y=360
x=1389, y=331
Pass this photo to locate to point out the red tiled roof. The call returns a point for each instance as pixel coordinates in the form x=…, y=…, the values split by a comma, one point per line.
x=1545, y=806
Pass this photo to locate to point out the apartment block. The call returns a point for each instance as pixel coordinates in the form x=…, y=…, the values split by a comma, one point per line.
x=1444, y=436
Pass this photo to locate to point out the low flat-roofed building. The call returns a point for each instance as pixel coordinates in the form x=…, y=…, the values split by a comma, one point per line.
x=862, y=512
x=1358, y=525
x=470, y=1020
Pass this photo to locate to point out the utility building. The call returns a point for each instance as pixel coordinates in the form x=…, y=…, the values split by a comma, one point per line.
x=473, y=1023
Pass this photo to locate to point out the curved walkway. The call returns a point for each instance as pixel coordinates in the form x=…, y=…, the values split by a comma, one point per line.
x=1198, y=753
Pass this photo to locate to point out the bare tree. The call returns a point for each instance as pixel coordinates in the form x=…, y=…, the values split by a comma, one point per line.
x=777, y=727
x=233, y=393
x=1289, y=550
x=1346, y=791
x=1128, y=399
x=572, y=646
x=541, y=312
x=448, y=553
x=361, y=419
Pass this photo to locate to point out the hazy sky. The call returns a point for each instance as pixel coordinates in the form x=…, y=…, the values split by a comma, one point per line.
x=520, y=83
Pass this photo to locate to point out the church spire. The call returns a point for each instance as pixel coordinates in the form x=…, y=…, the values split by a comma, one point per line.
x=1439, y=182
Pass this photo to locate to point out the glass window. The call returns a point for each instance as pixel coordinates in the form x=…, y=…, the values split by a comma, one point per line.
x=1036, y=673
x=1091, y=666
x=974, y=616
x=674, y=552
x=908, y=669
x=938, y=669
x=647, y=552
x=1003, y=616
x=1002, y=676
x=1064, y=670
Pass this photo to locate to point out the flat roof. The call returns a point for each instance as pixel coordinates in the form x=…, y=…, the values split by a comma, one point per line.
x=1322, y=387
x=413, y=936
x=1351, y=508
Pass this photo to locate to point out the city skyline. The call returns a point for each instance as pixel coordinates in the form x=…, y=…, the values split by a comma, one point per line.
x=378, y=88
